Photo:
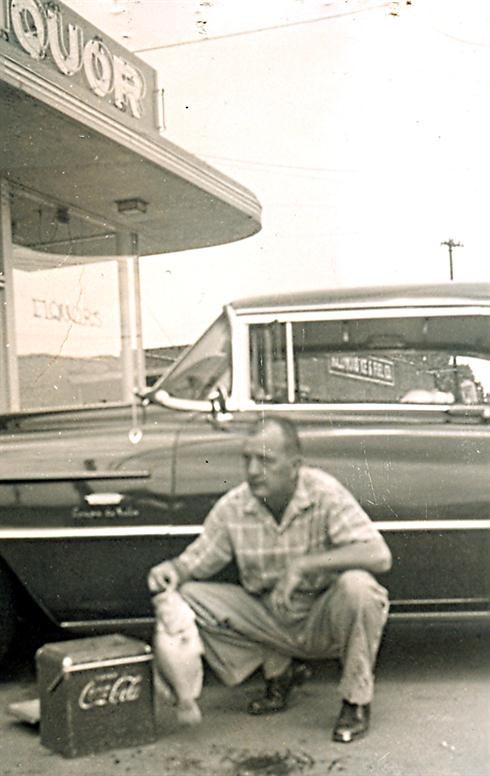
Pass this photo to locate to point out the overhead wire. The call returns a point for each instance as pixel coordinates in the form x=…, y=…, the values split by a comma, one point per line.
x=257, y=30
x=275, y=165
x=449, y=35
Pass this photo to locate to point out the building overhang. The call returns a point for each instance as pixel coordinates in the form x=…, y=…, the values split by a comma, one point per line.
x=60, y=139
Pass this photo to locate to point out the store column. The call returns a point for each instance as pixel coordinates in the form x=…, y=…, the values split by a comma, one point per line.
x=9, y=381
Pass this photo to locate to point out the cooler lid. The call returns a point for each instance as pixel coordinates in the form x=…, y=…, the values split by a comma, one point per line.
x=88, y=650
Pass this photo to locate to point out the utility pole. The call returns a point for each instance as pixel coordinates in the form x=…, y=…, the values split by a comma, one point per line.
x=451, y=244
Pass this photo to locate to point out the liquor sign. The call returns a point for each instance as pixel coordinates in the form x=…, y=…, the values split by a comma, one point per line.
x=371, y=368
x=75, y=55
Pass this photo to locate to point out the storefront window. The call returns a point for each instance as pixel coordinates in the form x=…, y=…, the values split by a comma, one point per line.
x=67, y=331
x=46, y=227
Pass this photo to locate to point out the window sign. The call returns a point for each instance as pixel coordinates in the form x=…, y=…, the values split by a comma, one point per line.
x=378, y=370
x=68, y=334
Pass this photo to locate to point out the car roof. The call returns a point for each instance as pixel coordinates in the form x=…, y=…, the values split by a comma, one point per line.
x=423, y=295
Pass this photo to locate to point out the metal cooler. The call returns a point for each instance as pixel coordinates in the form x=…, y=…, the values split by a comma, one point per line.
x=95, y=694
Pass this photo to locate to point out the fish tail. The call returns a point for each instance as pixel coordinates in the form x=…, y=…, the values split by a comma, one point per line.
x=188, y=712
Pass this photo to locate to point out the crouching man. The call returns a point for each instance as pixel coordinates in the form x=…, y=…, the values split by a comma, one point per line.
x=306, y=552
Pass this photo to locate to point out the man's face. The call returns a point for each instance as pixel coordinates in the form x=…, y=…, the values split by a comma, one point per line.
x=270, y=469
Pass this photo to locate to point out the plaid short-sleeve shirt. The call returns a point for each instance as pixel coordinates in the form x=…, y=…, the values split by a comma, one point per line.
x=321, y=514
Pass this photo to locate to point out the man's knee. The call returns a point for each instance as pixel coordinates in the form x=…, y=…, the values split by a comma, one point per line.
x=193, y=591
x=360, y=590
x=188, y=588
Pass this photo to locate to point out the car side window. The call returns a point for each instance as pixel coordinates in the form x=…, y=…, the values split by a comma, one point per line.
x=407, y=360
x=268, y=363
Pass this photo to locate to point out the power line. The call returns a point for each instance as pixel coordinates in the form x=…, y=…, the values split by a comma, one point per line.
x=461, y=40
x=274, y=165
x=257, y=30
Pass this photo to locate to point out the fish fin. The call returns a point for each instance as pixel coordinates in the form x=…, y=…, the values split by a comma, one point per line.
x=163, y=689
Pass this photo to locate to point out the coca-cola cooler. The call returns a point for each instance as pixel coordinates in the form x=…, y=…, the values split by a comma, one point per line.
x=95, y=694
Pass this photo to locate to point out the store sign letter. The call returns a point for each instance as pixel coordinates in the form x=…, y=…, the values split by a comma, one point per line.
x=29, y=24
x=51, y=310
x=40, y=31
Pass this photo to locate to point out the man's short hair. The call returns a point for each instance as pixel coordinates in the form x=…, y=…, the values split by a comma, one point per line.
x=292, y=443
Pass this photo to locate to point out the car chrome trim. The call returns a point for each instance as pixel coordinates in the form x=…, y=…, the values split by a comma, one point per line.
x=84, y=626
x=193, y=530
x=320, y=312
x=100, y=532
x=432, y=525
x=185, y=405
x=437, y=601
x=453, y=293
x=114, y=623
x=432, y=615
x=364, y=407
x=18, y=479
x=240, y=362
x=290, y=374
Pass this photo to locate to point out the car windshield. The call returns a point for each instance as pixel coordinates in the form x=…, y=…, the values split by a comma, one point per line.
x=204, y=367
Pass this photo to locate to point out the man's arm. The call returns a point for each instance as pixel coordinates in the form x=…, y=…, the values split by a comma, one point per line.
x=203, y=558
x=373, y=556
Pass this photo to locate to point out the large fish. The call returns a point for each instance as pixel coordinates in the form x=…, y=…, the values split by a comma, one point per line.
x=178, y=649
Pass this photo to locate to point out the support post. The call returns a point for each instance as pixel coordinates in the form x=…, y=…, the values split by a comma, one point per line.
x=133, y=366
x=139, y=355
x=9, y=370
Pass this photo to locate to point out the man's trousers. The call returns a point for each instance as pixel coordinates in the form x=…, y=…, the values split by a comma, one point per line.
x=240, y=631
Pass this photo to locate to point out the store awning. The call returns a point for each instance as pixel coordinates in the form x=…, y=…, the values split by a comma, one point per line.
x=60, y=138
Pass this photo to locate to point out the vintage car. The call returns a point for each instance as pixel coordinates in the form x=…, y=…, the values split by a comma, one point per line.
x=390, y=390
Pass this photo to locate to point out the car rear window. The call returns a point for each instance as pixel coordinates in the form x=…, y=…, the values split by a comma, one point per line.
x=430, y=360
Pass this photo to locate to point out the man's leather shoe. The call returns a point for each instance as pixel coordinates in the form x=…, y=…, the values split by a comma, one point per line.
x=352, y=722
x=278, y=689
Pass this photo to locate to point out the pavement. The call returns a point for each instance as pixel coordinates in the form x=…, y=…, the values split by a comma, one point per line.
x=431, y=717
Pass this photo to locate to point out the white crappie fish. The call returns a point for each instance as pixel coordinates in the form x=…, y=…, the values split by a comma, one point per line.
x=178, y=649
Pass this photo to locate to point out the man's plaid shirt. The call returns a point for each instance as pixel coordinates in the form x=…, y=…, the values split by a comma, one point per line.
x=322, y=514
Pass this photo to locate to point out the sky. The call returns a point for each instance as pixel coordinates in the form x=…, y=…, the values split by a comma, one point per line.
x=362, y=127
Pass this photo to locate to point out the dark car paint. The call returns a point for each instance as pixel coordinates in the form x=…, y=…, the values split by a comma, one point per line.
x=191, y=462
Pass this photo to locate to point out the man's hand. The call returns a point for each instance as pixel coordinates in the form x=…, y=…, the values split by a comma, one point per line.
x=286, y=585
x=163, y=577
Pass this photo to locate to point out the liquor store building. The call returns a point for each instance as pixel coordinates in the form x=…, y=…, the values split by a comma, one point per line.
x=88, y=185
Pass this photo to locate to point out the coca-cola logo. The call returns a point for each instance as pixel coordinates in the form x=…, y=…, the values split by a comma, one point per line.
x=110, y=688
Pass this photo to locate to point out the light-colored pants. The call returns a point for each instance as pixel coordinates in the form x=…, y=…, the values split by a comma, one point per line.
x=240, y=633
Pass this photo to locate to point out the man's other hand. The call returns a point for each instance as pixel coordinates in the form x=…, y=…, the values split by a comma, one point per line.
x=163, y=577
x=286, y=586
